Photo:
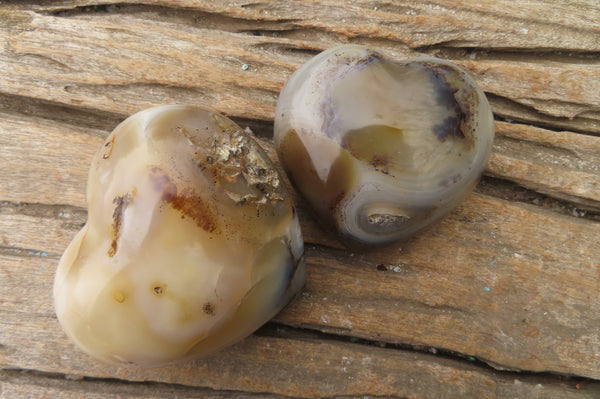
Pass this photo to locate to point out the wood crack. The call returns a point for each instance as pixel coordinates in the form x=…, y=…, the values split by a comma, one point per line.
x=27, y=252
x=88, y=120
x=315, y=334
x=66, y=385
x=55, y=211
x=508, y=190
x=194, y=17
x=506, y=108
x=530, y=55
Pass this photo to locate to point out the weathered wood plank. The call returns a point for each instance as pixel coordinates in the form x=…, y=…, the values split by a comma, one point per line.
x=520, y=285
x=563, y=165
x=24, y=385
x=298, y=367
x=489, y=23
x=554, y=89
x=514, y=285
x=512, y=111
x=524, y=256
x=45, y=162
x=190, y=61
x=39, y=166
x=508, y=284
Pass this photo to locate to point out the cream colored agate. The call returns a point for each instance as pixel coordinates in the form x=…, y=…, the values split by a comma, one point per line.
x=382, y=148
x=191, y=243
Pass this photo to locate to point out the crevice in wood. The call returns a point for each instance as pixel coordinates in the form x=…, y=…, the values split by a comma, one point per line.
x=27, y=252
x=510, y=191
x=286, y=48
x=510, y=111
x=113, y=386
x=88, y=119
x=182, y=16
x=528, y=55
x=527, y=114
x=276, y=330
x=71, y=217
x=86, y=9
x=54, y=211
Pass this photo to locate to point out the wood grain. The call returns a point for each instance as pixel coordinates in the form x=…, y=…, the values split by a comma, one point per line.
x=454, y=23
x=499, y=264
x=300, y=365
x=17, y=384
x=85, y=70
x=294, y=367
x=563, y=164
x=499, y=299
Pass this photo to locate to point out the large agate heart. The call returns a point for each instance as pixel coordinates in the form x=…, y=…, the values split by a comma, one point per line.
x=382, y=148
x=191, y=243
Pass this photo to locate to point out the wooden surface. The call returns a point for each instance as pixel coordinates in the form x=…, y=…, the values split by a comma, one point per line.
x=499, y=299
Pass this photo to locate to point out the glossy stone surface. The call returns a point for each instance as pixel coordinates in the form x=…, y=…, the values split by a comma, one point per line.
x=191, y=243
x=382, y=148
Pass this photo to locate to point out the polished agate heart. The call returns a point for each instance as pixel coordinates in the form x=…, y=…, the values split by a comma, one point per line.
x=382, y=148
x=191, y=243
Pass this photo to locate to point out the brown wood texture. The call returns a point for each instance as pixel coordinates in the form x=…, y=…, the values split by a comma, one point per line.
x=499, y=299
